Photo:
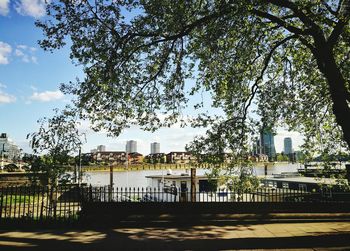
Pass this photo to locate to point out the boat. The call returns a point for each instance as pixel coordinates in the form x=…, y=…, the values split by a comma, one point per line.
x=174, y=187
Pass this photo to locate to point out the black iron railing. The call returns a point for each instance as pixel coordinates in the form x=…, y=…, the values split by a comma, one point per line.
x=40, y=202
x=173, y=194
x=66, y=202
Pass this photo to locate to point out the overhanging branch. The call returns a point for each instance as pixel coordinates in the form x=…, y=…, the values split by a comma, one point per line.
x=255, y=86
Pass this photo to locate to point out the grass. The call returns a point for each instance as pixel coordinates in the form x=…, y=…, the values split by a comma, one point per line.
x=17, y=199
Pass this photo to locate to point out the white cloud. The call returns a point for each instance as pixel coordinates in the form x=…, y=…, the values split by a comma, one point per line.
x=47, y=96
x=4, y=7
x=6, y=98
x=19, y=53
x=33, y=8
x=34, y=59
x=26, y=59
x=26, y=53
x=22, y=47
x=5, y=50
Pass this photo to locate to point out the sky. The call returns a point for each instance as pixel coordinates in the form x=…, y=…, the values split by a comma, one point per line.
x=29, y=87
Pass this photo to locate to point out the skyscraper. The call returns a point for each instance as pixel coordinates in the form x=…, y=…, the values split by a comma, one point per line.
x=7, y=148
x=131, y=146
x=268, y=144
x=288, y=147
x=155, y=147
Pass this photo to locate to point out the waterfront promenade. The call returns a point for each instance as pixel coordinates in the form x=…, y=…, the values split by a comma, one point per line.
x=321, y=232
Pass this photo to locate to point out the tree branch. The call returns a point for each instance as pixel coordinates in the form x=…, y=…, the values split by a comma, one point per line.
x=255, y=86
x=281, y=22
x=159, y=70
x=299, y=13
x=337, y=31
x=185, y=31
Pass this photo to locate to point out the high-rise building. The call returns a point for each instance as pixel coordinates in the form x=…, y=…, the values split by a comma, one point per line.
x=7, y=148
x=268, y=144
x=155, y=147
x=101, y=148
x=257, y=149
x=288, y=147
x=131, y=146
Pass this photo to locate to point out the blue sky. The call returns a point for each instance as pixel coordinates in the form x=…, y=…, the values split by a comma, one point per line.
x=29, y=86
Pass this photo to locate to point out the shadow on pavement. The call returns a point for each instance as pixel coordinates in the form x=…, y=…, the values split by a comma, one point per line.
x=182, y=237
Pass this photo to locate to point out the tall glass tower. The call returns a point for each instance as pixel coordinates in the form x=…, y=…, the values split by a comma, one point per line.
x=268, y=144
x=288, y=146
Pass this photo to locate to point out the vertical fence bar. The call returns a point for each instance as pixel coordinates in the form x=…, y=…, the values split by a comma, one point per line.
x=11, y=192
x=47, y=209
x=54, y=201
x=65, y=192
x=28, y=204
x=1, y=201
x=15, y=202
x=6, y=196
x=33, y=204
x=38, y=201
x=90, y=194
x=72, y=201
x=68, y=204
x=104, y=194
x=42, y=192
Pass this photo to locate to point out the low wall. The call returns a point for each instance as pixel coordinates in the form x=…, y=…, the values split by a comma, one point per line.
x=111, y=212
x=21, y=179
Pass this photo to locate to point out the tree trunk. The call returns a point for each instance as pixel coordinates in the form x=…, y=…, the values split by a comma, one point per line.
x=338, y=92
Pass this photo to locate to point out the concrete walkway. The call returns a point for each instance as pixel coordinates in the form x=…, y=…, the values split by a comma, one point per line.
x=292, y=235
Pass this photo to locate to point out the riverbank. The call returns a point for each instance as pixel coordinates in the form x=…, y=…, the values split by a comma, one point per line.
x=143, y=167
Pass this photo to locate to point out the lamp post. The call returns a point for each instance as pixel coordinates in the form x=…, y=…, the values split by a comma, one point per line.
x=79, y=169
x=127, y=167
x=2, y=156
x=20, y=158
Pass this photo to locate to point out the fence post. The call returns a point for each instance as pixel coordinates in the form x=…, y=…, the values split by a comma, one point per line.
x=1, y=203
x=193, y=184
x=347, y=168
x=90, y=193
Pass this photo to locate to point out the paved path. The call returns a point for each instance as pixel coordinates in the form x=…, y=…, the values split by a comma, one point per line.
x=326, y=235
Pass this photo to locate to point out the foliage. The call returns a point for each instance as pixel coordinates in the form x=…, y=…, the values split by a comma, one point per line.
x=282, y=157
x=56, y=139
x=263, y=63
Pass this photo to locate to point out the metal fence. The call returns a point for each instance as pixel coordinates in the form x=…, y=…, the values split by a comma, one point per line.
x=64, y=203
x=173, y=194
x=40, y=202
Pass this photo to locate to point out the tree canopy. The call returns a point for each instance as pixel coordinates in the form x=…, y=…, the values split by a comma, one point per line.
x=56, y=139
x=284, y=61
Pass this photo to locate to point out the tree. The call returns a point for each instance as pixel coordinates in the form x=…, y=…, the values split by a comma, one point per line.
x=284, y=61
x=56, y=139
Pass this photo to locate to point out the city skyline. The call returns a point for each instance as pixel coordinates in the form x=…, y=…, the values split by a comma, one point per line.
x=34, y=93
x=111, y=144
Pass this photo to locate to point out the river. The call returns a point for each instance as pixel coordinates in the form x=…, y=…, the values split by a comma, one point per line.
x=138, y=178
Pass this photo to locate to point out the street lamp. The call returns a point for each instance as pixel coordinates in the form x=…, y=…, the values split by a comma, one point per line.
x=2, y=156
x=20, y=158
